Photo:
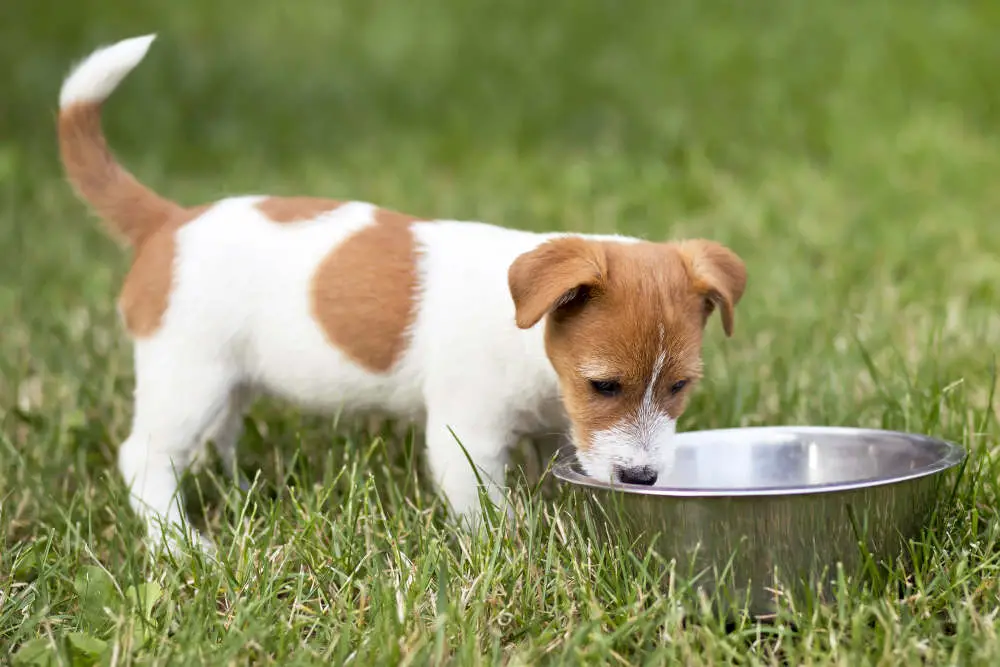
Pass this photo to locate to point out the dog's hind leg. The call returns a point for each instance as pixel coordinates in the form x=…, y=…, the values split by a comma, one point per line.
x=177, y=400
x=226, y=431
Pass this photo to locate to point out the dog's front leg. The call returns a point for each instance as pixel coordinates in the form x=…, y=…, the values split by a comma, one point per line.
x=176, y=405
x=486, y=444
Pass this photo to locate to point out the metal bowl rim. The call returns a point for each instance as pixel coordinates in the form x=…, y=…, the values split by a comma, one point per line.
x=953, y=456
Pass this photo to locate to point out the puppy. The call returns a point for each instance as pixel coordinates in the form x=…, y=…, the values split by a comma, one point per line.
x=484, y=334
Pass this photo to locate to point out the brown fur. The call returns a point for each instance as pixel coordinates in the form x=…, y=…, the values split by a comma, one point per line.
x=146, y=291
x=719, y=275
x=607, y=305
x=363, y=292
x=132, y=211
x=296, y=209
x=568, y=266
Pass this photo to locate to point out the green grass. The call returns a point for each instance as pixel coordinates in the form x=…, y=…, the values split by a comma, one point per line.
x=847, y=150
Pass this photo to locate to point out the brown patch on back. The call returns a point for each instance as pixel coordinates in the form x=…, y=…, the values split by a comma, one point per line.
x=613, y=310
x=296, y=209
x=363, y=292
x=146, y=292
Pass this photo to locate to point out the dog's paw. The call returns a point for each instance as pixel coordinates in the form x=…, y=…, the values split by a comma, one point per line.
x=498, y=515
x=179, y=543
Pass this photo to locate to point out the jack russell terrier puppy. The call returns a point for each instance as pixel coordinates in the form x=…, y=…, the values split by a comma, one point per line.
x=485, y=334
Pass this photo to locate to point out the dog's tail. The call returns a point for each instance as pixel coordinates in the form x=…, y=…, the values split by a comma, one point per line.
x=132, y=210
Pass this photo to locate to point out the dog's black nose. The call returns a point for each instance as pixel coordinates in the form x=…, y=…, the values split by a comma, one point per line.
x=643, y=475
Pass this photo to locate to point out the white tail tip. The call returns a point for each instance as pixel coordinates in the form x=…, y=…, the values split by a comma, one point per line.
x=97, y=76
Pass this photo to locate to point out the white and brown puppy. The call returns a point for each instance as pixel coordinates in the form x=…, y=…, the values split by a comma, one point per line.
x=346, y=306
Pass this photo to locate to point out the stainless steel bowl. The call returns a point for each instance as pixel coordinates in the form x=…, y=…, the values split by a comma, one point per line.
x=751, y=514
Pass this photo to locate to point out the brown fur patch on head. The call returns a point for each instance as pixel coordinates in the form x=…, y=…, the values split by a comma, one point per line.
x=145, y=294
x=633, y=316
x=570, y=267
x=364, y=292
x=296, y=209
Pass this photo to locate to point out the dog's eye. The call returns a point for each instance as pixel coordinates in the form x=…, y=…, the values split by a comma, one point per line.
x=676, y=388
x=606, y=387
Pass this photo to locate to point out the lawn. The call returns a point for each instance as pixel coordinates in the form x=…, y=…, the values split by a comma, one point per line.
x=847, y=150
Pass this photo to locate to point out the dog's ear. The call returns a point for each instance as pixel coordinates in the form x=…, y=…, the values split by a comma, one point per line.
x=556, y=275
x=719, y=275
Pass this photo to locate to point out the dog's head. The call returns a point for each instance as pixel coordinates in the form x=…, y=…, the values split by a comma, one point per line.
x=623, y=330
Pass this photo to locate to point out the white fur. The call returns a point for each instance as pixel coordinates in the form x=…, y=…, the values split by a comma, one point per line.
x=646, y=442
x=642, y=440
x=239, y=323
x=97, y=76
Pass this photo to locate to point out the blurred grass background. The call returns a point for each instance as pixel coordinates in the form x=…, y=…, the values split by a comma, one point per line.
x=848, y=150
x=849, y=144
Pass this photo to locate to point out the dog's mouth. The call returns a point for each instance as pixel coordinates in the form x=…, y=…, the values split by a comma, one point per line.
x=593, y=464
